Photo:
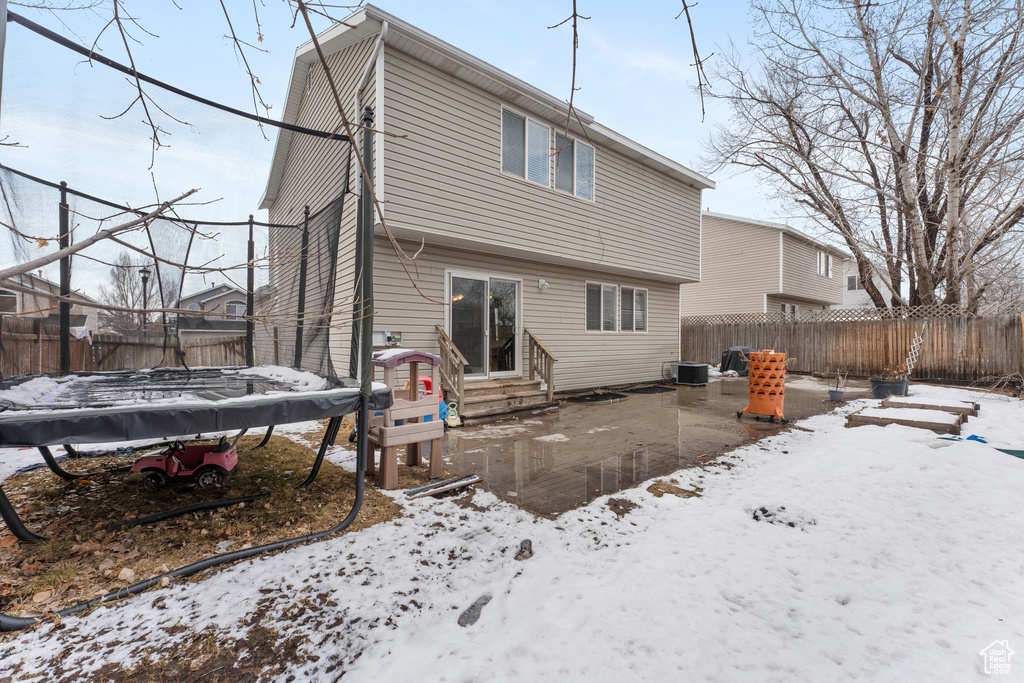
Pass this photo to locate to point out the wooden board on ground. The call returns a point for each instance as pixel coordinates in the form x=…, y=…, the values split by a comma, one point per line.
x=948, y=406
x=939, y=422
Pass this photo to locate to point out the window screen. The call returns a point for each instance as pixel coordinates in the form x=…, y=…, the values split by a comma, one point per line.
x=626, y=309
x=593, y=307
x=640, y=310
x=538, y=141
x=564, y=163
x=584, y=171
x=608, y=296
x=513, y=143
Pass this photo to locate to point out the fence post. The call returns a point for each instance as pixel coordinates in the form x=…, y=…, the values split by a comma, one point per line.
x=301, y=310
x=64, y=239
x=250, y=300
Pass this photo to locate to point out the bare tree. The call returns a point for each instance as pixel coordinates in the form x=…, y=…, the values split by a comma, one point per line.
x=895, y=126
x=124, y=290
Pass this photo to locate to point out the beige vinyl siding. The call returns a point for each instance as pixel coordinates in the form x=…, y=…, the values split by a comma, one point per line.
x=557, y=316
x=314, y=176
x=444, y=180
x=800, y=278
x=739, y=264
x=775, y=304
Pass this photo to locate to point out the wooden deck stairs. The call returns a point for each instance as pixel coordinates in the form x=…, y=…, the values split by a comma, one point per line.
x=491, y=400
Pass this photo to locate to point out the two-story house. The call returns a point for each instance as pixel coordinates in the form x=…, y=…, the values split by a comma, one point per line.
x=223, y=299
x=753, y=266
x=36, y=303
x=580, y=237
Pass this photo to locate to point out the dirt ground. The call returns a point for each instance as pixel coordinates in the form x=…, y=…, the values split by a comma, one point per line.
x=91, y=552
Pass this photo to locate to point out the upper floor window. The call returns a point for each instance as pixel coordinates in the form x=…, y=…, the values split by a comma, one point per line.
x=8, y=302
x=525, y=148
x=824, y=264
x=853, y=283
x=526, y=152
x=574, y=167
x=235, y=308
x=193, y=307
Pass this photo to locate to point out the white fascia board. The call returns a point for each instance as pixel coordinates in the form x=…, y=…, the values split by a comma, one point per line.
x=658, y=161
x=336, y=38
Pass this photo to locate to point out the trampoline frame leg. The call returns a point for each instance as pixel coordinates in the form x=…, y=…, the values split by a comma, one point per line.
x=266, y=439
x=330, y=434
x=14, y=523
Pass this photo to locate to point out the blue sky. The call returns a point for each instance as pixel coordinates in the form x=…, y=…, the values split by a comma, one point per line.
x=634, y=76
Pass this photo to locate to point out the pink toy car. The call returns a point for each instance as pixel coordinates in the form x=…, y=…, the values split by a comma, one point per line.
x=207, y=464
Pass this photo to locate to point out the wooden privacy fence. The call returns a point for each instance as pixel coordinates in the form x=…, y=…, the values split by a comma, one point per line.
x=30, y=346
x=954, y=346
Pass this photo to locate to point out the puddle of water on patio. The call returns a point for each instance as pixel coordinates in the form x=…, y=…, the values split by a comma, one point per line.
x=557, y=462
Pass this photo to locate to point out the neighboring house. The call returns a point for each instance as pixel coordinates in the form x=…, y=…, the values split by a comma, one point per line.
x=752, y=266
x=854, y=294
x=586, y=250
x=30, y=305
x=219, y=298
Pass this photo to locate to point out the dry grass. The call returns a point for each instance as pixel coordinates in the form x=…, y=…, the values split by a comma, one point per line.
x=89, y=556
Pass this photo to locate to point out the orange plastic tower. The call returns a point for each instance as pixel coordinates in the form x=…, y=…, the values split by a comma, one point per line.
x=766, y=383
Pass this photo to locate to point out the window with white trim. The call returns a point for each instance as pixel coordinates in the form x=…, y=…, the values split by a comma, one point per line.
x=824, y=264
x=525, y=148
x=235, y=308
x=853, y=283
x=574, y=167
x=601, y=309
x=632, y=309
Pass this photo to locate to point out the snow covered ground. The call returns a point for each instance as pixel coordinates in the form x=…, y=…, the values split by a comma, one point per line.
x=897, y=557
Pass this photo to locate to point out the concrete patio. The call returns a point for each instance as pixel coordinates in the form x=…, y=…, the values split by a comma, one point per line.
x=553, y=463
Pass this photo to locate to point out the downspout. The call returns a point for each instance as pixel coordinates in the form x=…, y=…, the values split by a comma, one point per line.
x=780, y=262
x=363, y=82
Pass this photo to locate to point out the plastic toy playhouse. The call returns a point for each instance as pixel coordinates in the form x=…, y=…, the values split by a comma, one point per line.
x=410, y=421
x=206, y=465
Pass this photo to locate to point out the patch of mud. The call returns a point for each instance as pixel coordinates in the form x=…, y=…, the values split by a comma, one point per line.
x=621, y=506
x=660, y=488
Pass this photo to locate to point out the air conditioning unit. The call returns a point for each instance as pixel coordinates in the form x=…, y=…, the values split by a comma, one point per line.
x=690, y=373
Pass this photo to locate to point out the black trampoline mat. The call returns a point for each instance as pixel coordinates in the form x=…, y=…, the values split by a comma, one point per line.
x=106, y=407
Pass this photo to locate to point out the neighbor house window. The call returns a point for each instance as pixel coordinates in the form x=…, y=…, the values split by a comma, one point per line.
x=235, y=308
x=853, y=282
x=8, y=302
x=525, y=148
x=824, y=264
x=632, y=309
x=601, y=307
x=574, y=167
x=193, y=307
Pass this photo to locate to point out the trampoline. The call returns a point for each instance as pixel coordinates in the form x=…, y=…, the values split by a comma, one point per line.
x=40, y=411
x=132, y=405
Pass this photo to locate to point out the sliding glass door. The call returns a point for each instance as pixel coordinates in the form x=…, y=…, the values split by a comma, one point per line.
x=483, y=322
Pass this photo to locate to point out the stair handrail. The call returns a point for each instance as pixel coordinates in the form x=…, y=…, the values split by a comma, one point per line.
x=453, y=368
x=542, y=362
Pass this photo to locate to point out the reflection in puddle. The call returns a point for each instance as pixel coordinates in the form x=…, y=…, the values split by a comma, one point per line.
x=557, y=462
